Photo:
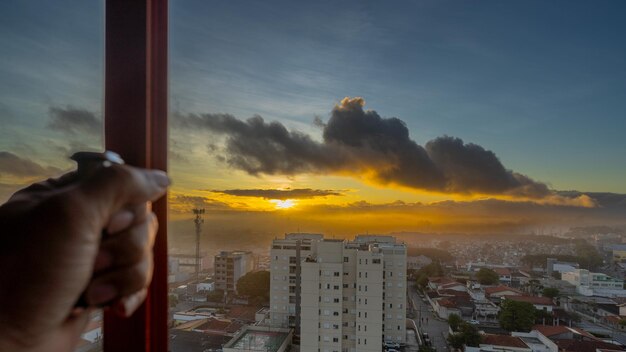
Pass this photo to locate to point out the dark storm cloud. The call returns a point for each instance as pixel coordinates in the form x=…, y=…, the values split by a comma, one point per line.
x=73, y=120
x=11, y=164
x=282, y=194
x=184, y=204
x=363, y=144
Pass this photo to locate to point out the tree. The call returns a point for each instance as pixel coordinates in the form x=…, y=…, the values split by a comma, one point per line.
x=467, y=335
x=173, y=299
x=516, y=316
x=255, y=284
x=550, y=292
x=432, y=269
x=215, y=296
x=487, y=277
x=454, y=321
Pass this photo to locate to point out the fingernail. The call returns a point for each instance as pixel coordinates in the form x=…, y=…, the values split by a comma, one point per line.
x=128, y=305
x=101, y=294
x=103, y=261
x=120, y=220
x=161, y=178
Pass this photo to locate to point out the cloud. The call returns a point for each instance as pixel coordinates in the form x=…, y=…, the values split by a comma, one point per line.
x=11, y=164
x=282, y=194
x=184, y=204
x=360, y=143
x=72, y=121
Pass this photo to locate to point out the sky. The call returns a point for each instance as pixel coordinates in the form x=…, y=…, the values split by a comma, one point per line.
x=347, y=116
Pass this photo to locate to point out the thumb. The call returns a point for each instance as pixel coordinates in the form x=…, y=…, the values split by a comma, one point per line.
x=116, y=186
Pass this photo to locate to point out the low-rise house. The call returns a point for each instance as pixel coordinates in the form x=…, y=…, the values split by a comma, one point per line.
x=435, y=282
x=504, y=275
x=537, y=341
x=456, y=286
x=540, y=303
x=500, y=343
x=562, y=332
x=586, y=346
x=497, y=292
x=485, y=309
x=445, y=307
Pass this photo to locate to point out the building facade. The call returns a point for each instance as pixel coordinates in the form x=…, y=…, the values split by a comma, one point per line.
x=589, y=283
x=230, y=266
x=352, y=293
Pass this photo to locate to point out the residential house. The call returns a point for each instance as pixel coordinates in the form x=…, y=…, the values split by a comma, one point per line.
x=500, y=343
x=540, y=303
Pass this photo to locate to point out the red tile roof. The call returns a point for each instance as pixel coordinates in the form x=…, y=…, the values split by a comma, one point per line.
x=453, y=293
x=444, y=302
x=549, y=330
x=532, y=299
x=503, y=340
x=585, y=345
x=502, y=288
x=502, y=271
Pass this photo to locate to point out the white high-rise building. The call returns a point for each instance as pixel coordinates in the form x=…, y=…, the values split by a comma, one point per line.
x=352, y=293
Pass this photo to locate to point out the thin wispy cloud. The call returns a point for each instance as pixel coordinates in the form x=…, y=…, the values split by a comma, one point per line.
x=283, y=194
x=14, y=165
x=72, y=120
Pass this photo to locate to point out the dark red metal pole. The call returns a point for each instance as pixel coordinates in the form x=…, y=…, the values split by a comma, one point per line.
x=135, y=112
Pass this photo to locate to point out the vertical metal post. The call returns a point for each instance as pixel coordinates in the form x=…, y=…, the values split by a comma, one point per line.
x=135, y=116
x=198, y=221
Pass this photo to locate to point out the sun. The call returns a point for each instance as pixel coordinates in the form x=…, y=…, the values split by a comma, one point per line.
x=283, y=204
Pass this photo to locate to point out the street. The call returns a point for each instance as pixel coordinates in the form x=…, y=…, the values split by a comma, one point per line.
x=426, y=321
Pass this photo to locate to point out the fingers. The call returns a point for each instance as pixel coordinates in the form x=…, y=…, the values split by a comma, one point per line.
x=128, y=247
x=120, y=283
x=119, y=185
x=126, y=306
x=124, y=265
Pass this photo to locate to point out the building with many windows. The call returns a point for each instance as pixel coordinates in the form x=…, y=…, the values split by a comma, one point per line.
x=346, y=295
x=230, y=266
x=595, y=284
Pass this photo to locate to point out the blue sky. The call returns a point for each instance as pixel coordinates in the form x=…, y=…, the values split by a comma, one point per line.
x=542, y=84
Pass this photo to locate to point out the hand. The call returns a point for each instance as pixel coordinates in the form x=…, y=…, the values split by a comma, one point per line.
x=52, y=250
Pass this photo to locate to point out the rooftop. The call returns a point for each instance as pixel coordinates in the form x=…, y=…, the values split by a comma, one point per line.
x=532, y=299
x=503, y=340
x=501, y=288
x=255, y=340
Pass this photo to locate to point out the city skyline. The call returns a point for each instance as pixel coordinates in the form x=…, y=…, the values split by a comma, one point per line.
x=488, y=113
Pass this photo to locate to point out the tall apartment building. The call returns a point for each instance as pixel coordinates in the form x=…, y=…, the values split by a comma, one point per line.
x=352, y=294
x=229, y=267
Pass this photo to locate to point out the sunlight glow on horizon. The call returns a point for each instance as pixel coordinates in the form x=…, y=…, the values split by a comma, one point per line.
x=283, y=204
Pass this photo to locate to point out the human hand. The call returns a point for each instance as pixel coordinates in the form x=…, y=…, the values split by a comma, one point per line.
x=52, y=250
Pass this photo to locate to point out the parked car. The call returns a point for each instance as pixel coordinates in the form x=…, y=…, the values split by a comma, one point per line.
x=426, y=339
x=390, y=345
x=474, y=322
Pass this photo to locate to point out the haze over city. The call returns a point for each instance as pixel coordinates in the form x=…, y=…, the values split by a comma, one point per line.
x=417, y=117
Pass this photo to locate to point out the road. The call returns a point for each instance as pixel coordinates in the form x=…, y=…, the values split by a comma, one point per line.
x=427, y=322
